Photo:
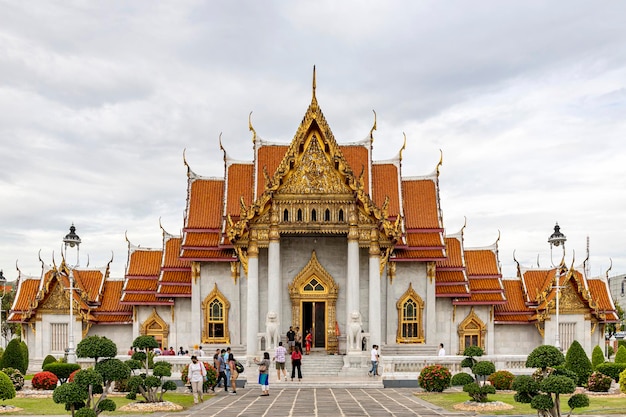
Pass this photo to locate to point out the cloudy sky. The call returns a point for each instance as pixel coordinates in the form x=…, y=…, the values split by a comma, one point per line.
x=526, y=100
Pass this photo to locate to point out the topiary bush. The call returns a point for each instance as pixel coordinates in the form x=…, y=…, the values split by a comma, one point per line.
x=48, y=359
x=434, y=378
x=16, y=377
x=45, y=380
x=598, y=382
x=483, y=369
x=13, y=356
x=612, y=369
x=597, y=357
x=478, y=392
x=620, y=356
x=461, y=379
x=502, y=380
x=622, y=381
x=62, y=370
x=7, y=390
x=24, y=348
x=576, y=360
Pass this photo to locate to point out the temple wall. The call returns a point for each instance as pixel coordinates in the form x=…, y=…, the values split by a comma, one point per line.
x=406, y=272
x=120, y=334
x=211, y=274
x=516, y=339
x=445, y=327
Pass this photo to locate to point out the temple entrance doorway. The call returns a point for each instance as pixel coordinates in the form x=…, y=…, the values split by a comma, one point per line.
x=313, y=294
x=314, y=320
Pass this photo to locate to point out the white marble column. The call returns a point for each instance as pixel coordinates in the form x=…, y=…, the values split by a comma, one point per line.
x=196, y=306
x=374, y=291
x=274, y=293
x=252, y=308
x=352, y=279
x=431, y=305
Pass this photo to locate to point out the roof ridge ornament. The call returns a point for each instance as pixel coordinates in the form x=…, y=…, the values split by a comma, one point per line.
x=403, y=147
x=314, y=98
x=251, y=128
x=373, y=128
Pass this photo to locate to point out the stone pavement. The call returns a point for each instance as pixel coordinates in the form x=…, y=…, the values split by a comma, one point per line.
x=317, y=402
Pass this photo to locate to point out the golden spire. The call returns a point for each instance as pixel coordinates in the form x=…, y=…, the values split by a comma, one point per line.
x=314, y=83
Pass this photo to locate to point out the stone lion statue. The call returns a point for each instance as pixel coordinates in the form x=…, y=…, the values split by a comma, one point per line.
x=271, y=330
x=354, y=331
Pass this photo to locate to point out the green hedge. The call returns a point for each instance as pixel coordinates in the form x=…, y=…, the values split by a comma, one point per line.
x=62, y=370
x=611, y=369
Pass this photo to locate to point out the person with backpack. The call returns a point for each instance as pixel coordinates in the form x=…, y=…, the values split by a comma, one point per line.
x=234, y=373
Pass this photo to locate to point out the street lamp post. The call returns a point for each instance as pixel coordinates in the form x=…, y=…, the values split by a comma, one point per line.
x=72, y=240
x=557, y=239
x=3, y=283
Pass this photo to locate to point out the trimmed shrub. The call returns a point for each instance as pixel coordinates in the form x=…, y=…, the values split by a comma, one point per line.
x=13, y=356
x=578, y=401
x=460, y=379
x=48, y=359
x=73, y=375
x=24, y=348
x=545, y=356
x=597, y=357
x=620, y=356
x=598, y=382
x=434, y=378
x=502, y=380
x=16, y=377
x=7, y=390
x=96, y=347
x=483, y=369
x=62, y=370
x=86, y=412
x=45, y=380
x=576, y=360
x=612, y=369
x=527, y=388
x=477, y=392
x=622, y=381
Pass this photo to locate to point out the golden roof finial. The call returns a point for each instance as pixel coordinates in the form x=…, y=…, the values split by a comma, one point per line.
x=314, y=83
x=251, y=128
x=373, y=128
x=403, y=146
x=221, y=147
x=440, y=161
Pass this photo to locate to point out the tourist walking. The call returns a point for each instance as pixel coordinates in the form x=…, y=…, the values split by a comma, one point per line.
x=264, y=376
x=196, y=373
x=232, y=364
x=374, y=358
x=442, y=351
x=296, y=363
x=279, y=357
x=221, y=368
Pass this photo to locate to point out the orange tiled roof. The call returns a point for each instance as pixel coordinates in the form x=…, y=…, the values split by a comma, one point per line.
x=357, y=157
x=144, y=262
x=174, y=291
x=26, y=293
x=424, y=240
x=423, y=255
x=514, y=298
x=209, y=255
x=111, y=298
x=456, y=290
x=269, y=156
x=455, y=255
x=201, y=240
x=482, y=263
x=444, y=277
x=175, y=277
x=535, y=281
x=421, y=204
x=600, y=294
x=485, y=280
x=385, y=184
x=205, y=203
x=240, y=184
x=90, y=282
x=113, y=318
x=141, y=284
x=171, y=254
x=144, y=299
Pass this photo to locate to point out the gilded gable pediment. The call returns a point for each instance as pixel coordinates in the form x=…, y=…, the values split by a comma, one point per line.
x=313, y=173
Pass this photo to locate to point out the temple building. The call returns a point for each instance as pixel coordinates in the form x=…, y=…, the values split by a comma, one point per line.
x=315, y=234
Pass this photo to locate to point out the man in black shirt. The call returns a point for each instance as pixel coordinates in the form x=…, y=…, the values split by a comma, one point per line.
x=291, y=339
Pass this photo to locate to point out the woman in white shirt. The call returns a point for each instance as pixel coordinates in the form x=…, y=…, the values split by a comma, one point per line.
x=195, y=376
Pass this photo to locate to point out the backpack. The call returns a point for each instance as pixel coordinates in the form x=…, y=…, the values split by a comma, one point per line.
x=239, y=367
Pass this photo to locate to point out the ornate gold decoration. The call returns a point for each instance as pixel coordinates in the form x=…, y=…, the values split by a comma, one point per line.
x=215, y=295
x=472, y=326
x=431, y=269
x=594, y=324
x=406, y=324
x=234, y=271
x=172, y=311
x=86, y=328
x=540, y=328
x=195, y=271
x=155, y=326
x=314, y=270
x=56, y=302
x=391, y=271
x=569, y=300
x=384, y=259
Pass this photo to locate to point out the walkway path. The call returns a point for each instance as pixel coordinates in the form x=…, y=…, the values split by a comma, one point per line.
x=316, y=402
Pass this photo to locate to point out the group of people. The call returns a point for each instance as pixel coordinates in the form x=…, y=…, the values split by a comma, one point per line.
x=294, y=338
x=226, y=367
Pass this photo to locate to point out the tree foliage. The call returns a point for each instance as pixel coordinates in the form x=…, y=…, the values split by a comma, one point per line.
x=62, y=370
x=71, y=395
x=48, y=359
x=13, y=356
x=96, y=347
x=544, y=388
x=597, y=357
x=24, y=348
x=7, y=390
x=576, y=360
x=150, y=386
x=620, y=356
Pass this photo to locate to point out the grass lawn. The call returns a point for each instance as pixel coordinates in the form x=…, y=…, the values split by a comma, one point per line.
x=45, y=406
x=600, y=405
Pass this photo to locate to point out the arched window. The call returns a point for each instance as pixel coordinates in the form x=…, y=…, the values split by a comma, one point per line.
x=410, y=312
x=340, y=215
x=299, y=215
x=286, y=215
x=471, y=332
x=313, y=215
x=215, y=307
x=327, y=215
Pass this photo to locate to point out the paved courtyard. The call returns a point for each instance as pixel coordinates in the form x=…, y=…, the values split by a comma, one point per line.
x=307, y=402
